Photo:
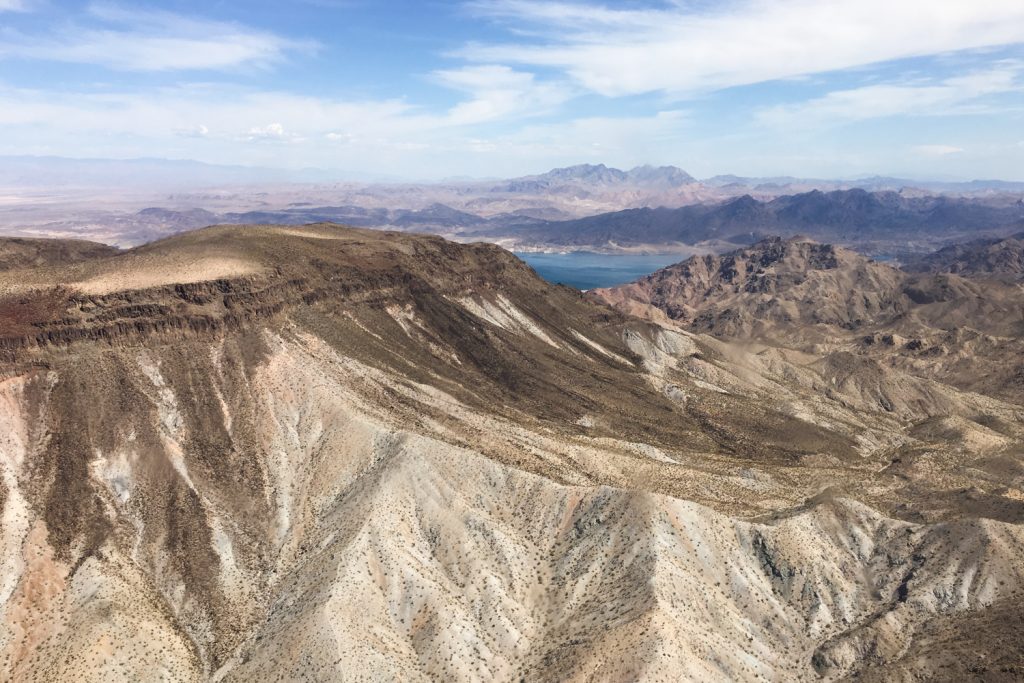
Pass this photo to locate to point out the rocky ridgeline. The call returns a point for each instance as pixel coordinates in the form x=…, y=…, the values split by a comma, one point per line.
x=60, y=315
x=821, y=299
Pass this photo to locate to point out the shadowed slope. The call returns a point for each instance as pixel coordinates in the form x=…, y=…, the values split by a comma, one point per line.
x=22, y=252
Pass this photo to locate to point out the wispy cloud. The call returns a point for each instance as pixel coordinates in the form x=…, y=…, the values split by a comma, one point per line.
x=148, y=40
x=225, y=113
x=687, y=48
x=237, y=125
x=573, y=81
x=954, y=95
x=204, y=113
x=498, y=91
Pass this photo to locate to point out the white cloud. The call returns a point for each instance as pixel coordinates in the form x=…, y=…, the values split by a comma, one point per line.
x=145, y=40
x=958, y=94
x=14, y=6
x=498, y=91
x=506, y=114
x=271, y=131
x=696, y=47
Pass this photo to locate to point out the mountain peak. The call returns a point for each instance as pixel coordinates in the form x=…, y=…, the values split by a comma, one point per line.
x=671, y=176
x=602, y=175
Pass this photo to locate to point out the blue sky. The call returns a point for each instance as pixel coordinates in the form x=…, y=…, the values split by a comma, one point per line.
x=431, y=89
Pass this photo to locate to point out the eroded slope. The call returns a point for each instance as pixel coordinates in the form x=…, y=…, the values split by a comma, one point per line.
x=381, y=456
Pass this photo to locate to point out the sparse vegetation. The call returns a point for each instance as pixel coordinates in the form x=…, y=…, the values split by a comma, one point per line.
x=379, y=456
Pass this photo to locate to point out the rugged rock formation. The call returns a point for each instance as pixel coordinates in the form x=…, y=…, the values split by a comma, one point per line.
x=792, y=282
x=987, y=258
x=823, y=299
x=319, y=453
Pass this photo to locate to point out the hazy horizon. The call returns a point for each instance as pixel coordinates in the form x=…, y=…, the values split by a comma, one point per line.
x=338, y=174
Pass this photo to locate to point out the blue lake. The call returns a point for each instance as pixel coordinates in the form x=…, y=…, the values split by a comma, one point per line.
x=587, y=270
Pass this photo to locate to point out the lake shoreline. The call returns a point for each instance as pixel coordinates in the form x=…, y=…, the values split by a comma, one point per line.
x=590, y=270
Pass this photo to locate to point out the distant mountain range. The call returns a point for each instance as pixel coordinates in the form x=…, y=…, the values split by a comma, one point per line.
x=665, y=177
x=847, y=216
x=583, y=207
x=875, y=222
x=648, y=177
x=53, y=171
x=786, y=184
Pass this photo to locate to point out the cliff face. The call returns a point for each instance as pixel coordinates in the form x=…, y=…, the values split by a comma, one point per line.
x=222, y=278
x=286, y=453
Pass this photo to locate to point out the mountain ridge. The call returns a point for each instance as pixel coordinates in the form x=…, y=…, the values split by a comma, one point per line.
x=844, y=215
x=600, y=175
x=986, y=257
x=357, y=432
x=809, y=295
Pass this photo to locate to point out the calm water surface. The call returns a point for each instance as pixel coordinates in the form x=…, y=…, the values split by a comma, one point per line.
x=587, y=270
